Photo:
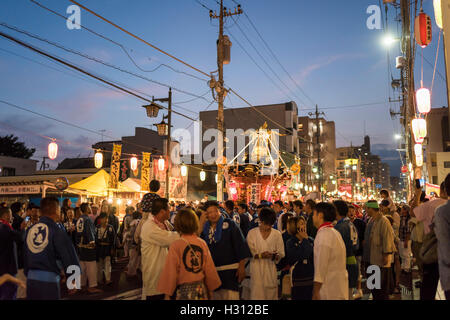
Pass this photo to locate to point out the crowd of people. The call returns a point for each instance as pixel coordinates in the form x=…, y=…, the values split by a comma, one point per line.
x=228, y=251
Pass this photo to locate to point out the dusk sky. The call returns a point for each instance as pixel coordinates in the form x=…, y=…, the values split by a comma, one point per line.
x=324, y=44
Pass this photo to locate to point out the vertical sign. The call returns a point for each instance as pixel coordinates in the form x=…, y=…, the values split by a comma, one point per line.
x=145, y=171
x=115, y=166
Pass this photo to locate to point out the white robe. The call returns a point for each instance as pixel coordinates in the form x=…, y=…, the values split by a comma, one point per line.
x=330, y=264
x=263, y=272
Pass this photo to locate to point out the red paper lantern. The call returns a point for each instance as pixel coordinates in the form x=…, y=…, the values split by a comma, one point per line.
x=404, y=169
x=422, y=29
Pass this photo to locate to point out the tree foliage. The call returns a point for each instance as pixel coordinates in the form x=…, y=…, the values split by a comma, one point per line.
x=11, y=147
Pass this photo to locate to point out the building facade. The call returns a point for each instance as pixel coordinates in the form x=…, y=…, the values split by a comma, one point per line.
x=437, y=147
x=308, y=147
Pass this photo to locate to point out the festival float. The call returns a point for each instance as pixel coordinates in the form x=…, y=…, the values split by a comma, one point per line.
x=263, y=174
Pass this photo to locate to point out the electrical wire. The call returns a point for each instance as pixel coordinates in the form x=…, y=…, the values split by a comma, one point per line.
x=107, y=64
x=121, y=46
x=138, y=38
x=277, y=60
x=265, y=61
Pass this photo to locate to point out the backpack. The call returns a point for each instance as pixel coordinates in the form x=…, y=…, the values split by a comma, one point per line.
x=428, y=251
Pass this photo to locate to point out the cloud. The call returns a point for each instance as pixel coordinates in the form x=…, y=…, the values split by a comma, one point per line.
x=305, y=73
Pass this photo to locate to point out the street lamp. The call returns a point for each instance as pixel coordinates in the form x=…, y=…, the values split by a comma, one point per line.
x=163, y=127
x=388, y=40
x=152, y=110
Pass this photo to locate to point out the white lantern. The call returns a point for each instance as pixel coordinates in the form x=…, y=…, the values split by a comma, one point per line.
x=98, y=160
x=438, y=12
x=202, y=175
x=418, y=150
x=183, y=170
x=52, y=150
x=216, y=178
x=419, y=128
x=119, y=201
x=110, y=200
x=419, y=160
x=161, y=164
x=423, y=100
x=133, y=163
x=301, y=185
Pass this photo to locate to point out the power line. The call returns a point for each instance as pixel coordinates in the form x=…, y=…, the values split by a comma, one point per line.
x=121, y=46
x=140, y=39
x=82, y=71
x=254, y=61
x=276, y=58
x=265, y=61
x=107, y=64
x=203, y=5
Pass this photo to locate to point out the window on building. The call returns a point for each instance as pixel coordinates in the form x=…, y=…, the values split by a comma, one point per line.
x=7, y=172
x=447, y=164
x=435, y=180
x=433, y=164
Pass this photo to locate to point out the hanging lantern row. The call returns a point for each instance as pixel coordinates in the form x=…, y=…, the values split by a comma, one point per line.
x=419, y=128
x=183, y=170
x=419, y=154
x=98, y=160
x=422, y=29
x=161, y=164
x=423, y=100
x=133, y=163
x=202, y=175
x=52, y=150
x=438, y=12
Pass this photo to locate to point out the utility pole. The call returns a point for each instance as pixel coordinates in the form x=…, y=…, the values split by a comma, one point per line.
x=221, y=94
x=319, y=162
x=408, y=94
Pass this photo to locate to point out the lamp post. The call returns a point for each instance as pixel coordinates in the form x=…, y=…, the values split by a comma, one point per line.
x=163, y=128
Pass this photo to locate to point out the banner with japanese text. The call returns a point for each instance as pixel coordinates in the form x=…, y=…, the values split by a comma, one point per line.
x=145, y=171
x=115, y=166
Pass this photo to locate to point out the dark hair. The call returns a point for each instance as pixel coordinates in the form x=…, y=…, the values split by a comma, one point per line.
x=243, y=206
x=48, y=204
x=4, y=211
x=211, y=203
x=84, y=206
x=267, y=216
x=328, y=211
x=159, y=204
x=292, y=223
x=341, y=207
x=447, y=184
x=261, y=206
x=16, y=207
x=298, y=203
x=65, y=203
x=284, y=219
x=311, y=203
x=103, y=215
x=229, y=204
x=136, y=215
x=129, y=209
x=186, y=221
x=279, y=202
x=384, y=203
x=154, y=185
x=385, y=192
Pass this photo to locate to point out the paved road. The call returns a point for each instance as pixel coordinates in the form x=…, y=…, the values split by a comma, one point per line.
x=122, y=288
